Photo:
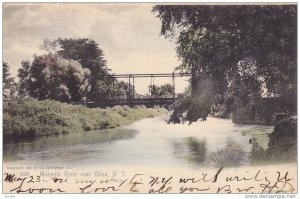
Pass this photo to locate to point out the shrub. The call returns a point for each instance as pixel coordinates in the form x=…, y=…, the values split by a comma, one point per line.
x=31, y=118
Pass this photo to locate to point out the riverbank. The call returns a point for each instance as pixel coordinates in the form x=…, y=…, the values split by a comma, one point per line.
x=260, y=135
x=29, y=119
x=274, y=144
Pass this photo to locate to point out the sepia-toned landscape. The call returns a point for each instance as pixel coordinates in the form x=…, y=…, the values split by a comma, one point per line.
x=149, y=98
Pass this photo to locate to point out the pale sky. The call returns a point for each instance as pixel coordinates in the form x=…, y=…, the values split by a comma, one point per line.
x=128, y=34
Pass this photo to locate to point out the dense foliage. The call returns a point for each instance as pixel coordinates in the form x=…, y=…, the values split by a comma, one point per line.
x=28, y=119
x=9, y=86
x=72, y=70
x=52, y=77
x=24, y=78
x=89, y=55
x=165, y=90
x=236, y=54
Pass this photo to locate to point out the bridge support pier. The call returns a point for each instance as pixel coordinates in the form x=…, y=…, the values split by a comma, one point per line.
x=173, y=84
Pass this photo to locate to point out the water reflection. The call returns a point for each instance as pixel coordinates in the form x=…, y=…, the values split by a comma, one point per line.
x=195, y=151
x=65, y=148
x=258, y=153
x=231, y=155
x=151, y=142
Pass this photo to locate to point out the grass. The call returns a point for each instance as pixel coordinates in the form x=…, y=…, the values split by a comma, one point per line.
x=29, y=119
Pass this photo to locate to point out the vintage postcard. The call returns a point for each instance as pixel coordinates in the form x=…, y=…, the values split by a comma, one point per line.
x=150, y=98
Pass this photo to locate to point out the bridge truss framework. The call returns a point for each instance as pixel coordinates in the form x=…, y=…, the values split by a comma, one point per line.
x=131, y=99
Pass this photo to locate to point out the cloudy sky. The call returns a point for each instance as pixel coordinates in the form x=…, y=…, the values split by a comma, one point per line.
x=129, y=34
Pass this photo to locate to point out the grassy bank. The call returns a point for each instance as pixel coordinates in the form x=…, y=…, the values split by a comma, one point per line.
x=30, y=119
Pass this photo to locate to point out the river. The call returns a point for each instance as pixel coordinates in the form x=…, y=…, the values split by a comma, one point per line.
x=150, y=141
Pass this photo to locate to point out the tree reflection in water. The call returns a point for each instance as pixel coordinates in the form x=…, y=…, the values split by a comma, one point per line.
x=231, y=155
x=197, y=149
x=196, y=152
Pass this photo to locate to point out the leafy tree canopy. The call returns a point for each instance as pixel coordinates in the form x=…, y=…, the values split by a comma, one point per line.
x=9, y=85
x=89, y=55
x=85, y=51
x=72, y=69
x=23, y=75
x=6, y=76
x=243, y=51
x=53, y=77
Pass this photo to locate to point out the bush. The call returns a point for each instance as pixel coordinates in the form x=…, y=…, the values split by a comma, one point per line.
x=31, y=118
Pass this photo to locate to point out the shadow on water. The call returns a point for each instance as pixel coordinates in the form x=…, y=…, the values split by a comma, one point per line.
x=63, y=146
x=191, y=149
x=232, y=154
x=195, y=151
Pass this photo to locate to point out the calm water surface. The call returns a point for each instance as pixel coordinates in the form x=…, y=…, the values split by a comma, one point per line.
x=148, y=142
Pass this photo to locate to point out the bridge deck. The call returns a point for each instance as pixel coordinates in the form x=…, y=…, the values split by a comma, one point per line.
x=148, y=102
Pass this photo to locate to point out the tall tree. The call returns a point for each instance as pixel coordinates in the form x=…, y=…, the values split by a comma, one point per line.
x=24, y=75
x=52, y=77
x=9, y=84
x=89, y=55
x=251, y=45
